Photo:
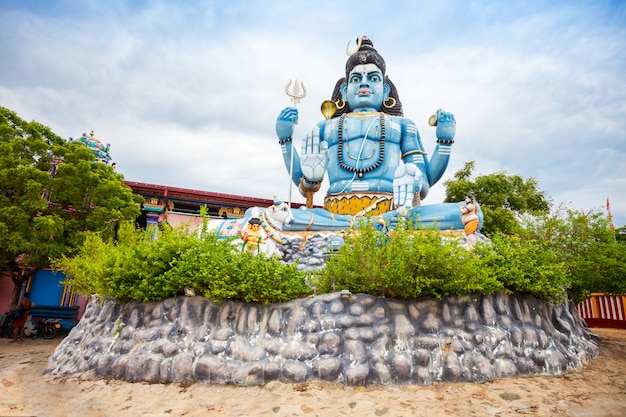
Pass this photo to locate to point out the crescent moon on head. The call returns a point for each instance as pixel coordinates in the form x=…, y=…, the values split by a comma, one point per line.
x=359, y=42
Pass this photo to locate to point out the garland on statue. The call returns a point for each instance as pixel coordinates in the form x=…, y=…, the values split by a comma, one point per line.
x=381, y=156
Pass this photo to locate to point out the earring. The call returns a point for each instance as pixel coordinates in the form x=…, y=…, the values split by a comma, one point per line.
x=341, y=103
x=390, y=100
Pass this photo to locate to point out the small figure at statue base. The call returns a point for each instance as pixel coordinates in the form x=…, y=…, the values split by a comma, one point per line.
x=259, y=231
x=469, y=217
x=253, y=236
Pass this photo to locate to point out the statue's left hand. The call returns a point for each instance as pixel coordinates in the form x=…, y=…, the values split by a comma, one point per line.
x=404, y=180
x=446, y=125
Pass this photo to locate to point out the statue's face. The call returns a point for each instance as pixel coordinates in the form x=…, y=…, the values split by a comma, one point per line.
x=365, y=89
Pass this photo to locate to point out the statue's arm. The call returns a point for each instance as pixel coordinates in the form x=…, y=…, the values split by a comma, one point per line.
x=409, y=176
x=306, y=169
x=446, y=130
x=413, y=153
x=284, y=130
x=411, y=146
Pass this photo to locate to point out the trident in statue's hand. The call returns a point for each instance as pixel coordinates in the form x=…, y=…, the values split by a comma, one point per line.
x=295, y=94
x=292, y=115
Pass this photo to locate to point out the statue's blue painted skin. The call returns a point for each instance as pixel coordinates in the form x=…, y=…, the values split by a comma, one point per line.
x=443, y=216
x=403, y=169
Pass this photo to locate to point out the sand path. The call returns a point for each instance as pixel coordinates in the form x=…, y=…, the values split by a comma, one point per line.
x=597, y=391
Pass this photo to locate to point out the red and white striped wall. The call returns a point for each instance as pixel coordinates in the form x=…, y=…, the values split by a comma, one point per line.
x=600, y=310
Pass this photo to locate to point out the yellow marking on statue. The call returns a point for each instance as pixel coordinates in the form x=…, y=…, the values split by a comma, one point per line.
x=304, y=238
x=358, y=203
x=306, y=229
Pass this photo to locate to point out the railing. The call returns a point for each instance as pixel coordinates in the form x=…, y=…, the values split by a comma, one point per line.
x=600, y=310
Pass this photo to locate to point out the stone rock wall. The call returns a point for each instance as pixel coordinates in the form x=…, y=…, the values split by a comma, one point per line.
x=356, y=340
x=308, y=251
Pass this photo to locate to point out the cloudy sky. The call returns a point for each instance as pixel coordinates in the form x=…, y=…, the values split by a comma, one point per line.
x=188, y=92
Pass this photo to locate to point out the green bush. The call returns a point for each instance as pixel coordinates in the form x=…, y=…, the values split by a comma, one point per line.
x=552, y=255
x=414, y=263
x=218, y=270
x=529, y=267
x=594, y=259
x=411, y=263
x=137, y=268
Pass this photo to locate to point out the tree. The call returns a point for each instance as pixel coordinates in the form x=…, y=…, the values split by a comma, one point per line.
x=51, y=192
x=586, y=244
x=501, y=197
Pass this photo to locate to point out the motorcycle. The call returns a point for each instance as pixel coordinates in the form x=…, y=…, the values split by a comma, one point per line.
x=45, y=327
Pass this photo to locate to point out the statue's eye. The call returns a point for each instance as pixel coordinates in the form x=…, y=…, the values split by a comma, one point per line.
x=355, y=79
x=375, y=78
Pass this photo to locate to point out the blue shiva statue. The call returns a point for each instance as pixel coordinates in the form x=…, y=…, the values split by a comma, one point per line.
x=372, y=155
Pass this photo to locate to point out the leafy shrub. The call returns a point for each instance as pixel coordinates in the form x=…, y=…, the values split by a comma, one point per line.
x=137, y=268
x=525, y=266
x=595, y=261
x=220, y=271
x=412, y=263
x=417, y=262
x=551, y=256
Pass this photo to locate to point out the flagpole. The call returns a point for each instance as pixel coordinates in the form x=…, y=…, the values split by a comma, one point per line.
x=610, y=215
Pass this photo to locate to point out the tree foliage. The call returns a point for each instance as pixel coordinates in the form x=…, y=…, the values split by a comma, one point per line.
x=594, y=258
x=526, y=266
x=552, y=256
x=501, y=197
x=51, y=192
x=416, y=263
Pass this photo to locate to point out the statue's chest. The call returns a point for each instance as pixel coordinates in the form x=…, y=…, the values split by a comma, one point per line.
x=364, y=133
x=360, y=141
x=355, y=128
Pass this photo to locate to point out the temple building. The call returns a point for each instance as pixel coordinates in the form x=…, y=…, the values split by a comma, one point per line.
x=177, y=205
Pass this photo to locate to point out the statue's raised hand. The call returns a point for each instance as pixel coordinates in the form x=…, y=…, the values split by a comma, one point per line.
x=446, y=125
x=285, y=121
x=405, y=179
x=313, y=157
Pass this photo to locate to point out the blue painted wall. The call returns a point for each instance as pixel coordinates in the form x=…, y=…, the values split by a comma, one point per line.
x=46, y=288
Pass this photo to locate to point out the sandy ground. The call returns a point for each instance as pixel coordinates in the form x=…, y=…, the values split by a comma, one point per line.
x=598, y=390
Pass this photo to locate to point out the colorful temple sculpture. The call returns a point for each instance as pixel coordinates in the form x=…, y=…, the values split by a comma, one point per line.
x=100, y=151
x=370, y=154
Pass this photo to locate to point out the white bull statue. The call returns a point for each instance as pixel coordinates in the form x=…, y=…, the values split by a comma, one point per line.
x=260, y=229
